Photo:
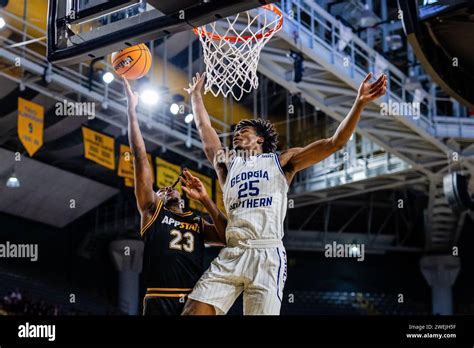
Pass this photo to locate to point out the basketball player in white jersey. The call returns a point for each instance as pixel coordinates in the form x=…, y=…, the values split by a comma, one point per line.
x=255, y=185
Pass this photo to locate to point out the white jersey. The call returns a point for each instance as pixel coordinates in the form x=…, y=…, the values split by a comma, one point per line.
x=255, y=198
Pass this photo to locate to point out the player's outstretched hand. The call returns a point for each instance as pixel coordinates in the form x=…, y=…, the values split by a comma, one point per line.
x=370, y=91
x=195, y=87
x=132, y=97
x=193, y=187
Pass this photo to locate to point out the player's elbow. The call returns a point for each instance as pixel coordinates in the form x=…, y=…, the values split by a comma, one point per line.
x=142, y=207
x=144, y=204
x=208, y=149
x=338, y=143
x=338, y=147
x=210, y=152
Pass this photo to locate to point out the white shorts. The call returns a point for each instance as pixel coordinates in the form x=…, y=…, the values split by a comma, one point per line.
x=259, y=272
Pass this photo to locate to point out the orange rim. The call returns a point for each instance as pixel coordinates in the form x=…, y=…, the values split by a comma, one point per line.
x=218, y=37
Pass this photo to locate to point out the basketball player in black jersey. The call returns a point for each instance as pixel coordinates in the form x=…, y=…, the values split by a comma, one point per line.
x=174, y=239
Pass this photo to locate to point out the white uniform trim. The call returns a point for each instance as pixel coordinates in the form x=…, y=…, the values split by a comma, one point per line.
x=259, y=243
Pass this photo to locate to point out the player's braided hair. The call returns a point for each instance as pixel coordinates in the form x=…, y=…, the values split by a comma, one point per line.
x=263, y=128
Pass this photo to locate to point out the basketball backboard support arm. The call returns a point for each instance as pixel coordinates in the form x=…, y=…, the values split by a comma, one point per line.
x=168, y=7
x=67, y=48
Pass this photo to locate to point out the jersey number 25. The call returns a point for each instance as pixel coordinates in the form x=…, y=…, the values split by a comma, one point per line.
x=249, y=188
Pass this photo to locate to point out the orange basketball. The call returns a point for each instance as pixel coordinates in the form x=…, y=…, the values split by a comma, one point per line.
x=132, y=62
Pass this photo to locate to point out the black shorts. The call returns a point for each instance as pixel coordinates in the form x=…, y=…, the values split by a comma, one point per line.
x=165, y=303
x=162, y=306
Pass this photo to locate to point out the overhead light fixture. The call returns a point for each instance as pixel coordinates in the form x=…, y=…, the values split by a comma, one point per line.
x=149, y=96
x=174, y=109
x=2, y=23
x=13, y=181
x=108, y=77
x=189, y=118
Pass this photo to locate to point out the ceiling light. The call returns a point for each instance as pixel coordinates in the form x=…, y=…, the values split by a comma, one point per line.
x=13, y=181
x=189, y=118
x=149, y=96
x=108, y=77
x=174, y=109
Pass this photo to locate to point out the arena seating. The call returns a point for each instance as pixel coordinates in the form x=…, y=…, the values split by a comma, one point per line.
x=43, y=299
x=348, y=303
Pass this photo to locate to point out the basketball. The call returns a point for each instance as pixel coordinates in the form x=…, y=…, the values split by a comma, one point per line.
x=133, y=62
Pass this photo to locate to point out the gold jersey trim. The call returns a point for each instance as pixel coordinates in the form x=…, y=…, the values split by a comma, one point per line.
x=152, y=220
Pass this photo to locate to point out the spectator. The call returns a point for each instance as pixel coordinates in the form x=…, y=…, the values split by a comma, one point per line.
x=16, y=294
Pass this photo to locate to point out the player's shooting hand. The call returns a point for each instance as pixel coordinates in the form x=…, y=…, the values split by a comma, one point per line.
x=370, y=91
x=193, y=187
x=195, y=87
x=132, y=97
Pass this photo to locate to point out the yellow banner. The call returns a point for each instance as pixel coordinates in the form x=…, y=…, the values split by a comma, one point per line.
x=99, y=148
x=207, y=182
x=30, y=125
x=219, y=198
x=125, y=166
x=129, y=182
x=167, y=173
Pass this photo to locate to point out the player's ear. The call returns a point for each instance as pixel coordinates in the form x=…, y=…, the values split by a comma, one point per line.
x=260, y=140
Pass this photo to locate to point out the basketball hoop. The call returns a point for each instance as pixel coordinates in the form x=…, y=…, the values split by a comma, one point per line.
x=232, y=49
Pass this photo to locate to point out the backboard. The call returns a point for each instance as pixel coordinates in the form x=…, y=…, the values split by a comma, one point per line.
x=80, y=30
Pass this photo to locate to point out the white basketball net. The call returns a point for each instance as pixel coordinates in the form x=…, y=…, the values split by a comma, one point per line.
x=232, y=49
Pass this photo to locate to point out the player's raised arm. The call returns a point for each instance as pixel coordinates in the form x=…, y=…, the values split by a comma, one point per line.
x=208, y=134
x=146, y=197
x=213, y=233
x=296, y=159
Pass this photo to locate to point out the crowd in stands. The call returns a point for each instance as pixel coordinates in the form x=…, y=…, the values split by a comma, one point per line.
x=16, y=303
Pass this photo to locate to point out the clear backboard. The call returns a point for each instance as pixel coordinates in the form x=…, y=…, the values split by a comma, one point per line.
x=80, y=30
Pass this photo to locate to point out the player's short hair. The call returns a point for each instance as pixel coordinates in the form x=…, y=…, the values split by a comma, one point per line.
x=263, y=128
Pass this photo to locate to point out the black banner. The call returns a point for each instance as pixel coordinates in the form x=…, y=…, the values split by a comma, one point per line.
x=134, y=331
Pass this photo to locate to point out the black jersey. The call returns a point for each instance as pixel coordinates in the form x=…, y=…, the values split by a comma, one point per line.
x=173, y=259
